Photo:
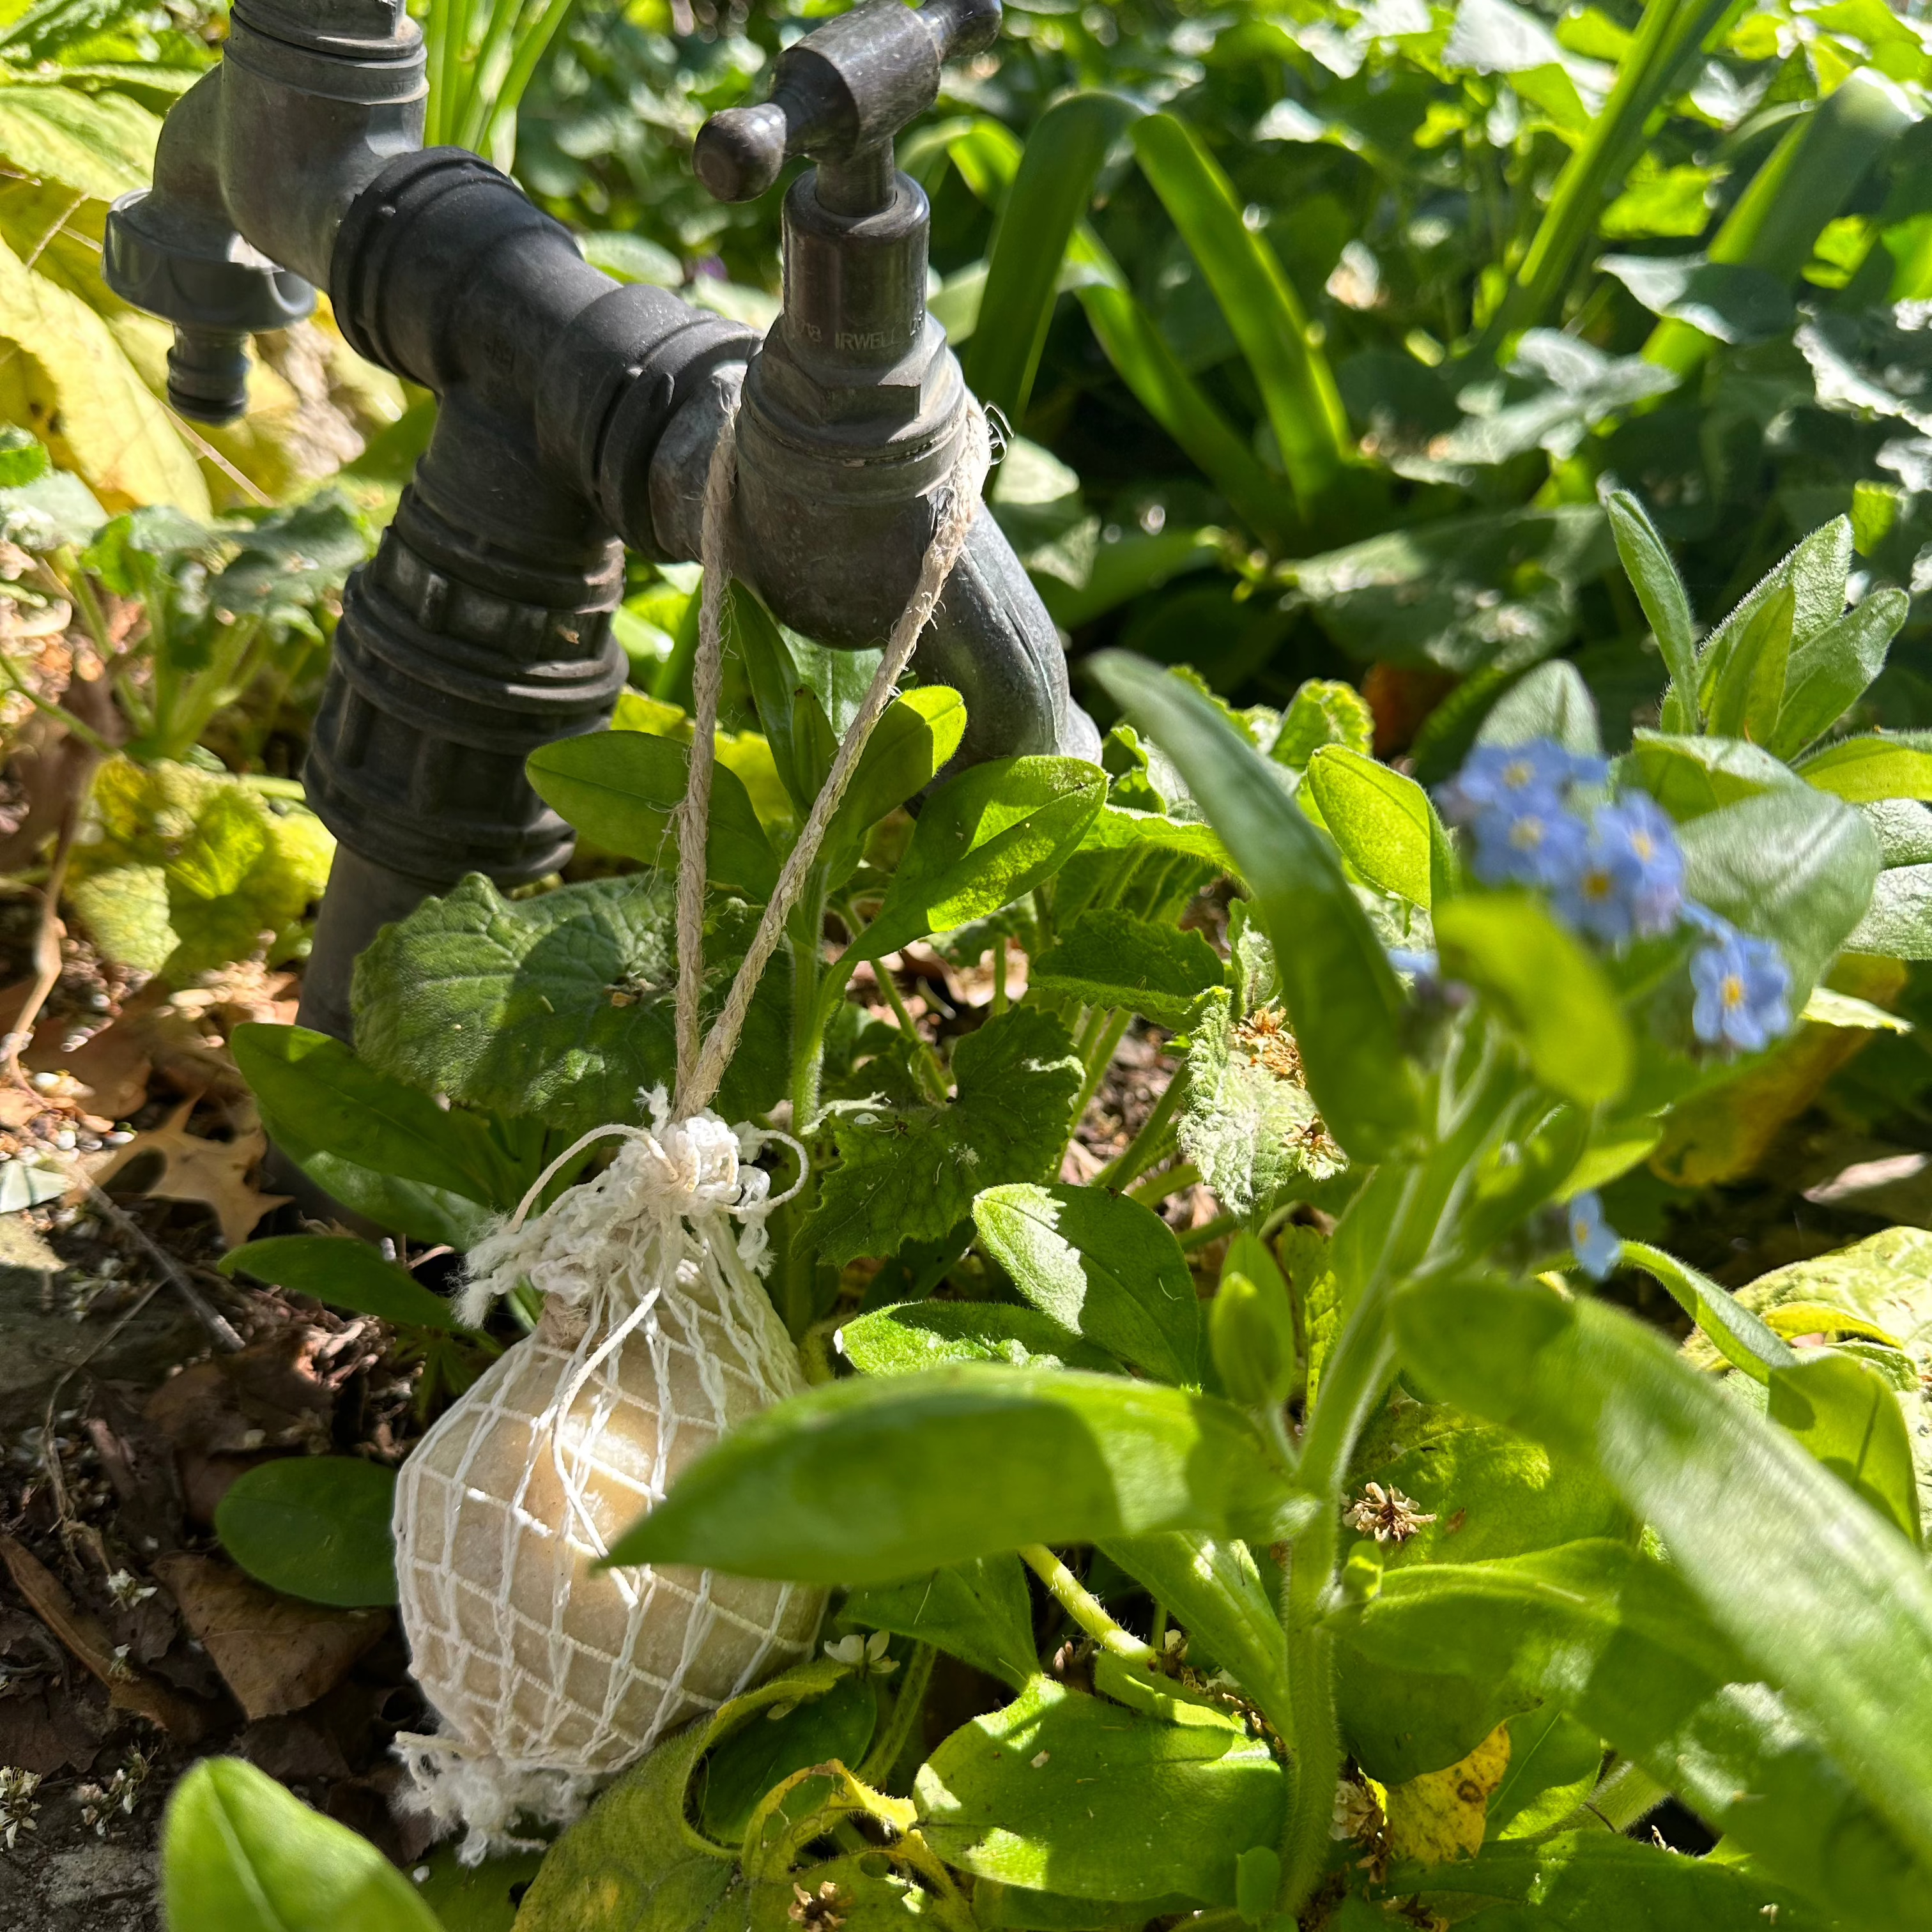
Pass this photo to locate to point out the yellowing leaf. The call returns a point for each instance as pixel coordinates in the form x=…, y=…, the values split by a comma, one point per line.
x=102, y=144
x=70, y=381
x=1820, y=1317
x=1442, y=1814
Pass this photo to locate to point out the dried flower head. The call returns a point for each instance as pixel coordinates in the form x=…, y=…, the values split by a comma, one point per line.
x=18, y=1805
x=121, y=1792
x=1358, y=1813
x=817, y=1911
x=1265, y=1035
x=127, y=1590
x=1387, y=1515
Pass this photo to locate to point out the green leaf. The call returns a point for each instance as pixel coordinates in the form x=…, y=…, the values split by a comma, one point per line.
x=1583, y=1881
x=1898, y=924
x=1691, y=776
x=735, y=1773
x=1343, y=1000
x=1619, y=1639
x=100, y=144
x=1212, y=1587
x=1815, y=573
x=995, y=832
x=1746, y=698
x=314, y=1526
x=476, y=1898
x=192, y=868
x=1846, y=1414
x=621, y=789
x=1384, y=823
x=1104, y=1266
x=979, y=1612
x=1729, y=1325
x=1553, y=1766
x=1108, y=958
x=1552, y=701
x=1829, y=673
x=796, y=726
x=1323, y=711
x=911, y=1335
x=1864, y=770
x=1067, y=1793
x=1049, y=193
x=1832, y=1606
x=915, y=735
x=344, y=1273
x=345, y=1107
x=559, y=1007
x=1547, y=987
x=857, y=1482
x=240, y=1853
x=1793, y=865
x=1659, y=589
x=1304, y=408
x=911, y=1174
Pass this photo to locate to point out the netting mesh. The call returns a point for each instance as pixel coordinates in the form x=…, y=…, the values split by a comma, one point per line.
x=656, y=1337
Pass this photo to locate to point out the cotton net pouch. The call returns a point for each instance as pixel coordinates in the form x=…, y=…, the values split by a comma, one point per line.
x=547, y=1675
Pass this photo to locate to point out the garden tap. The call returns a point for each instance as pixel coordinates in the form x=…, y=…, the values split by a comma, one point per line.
x=576, y=415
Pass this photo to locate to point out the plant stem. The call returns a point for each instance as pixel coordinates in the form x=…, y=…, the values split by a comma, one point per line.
x=1100, y=1056
x=999, y=975
x=1088, y=1612
x=887, y=1746
x=1159, y=1187
x=84, y=732
x=933, y=1074
x=1210, y=1230
x=1143, y=1150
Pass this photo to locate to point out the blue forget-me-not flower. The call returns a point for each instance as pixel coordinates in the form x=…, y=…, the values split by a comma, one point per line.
x=1597, y=1246
x=1743, y=989
x=1515, y=777
x=1630, y=884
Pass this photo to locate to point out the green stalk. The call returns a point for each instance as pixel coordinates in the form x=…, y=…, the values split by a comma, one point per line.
x=479, y=110
x=1100, y=1055
x=1157, y=1187
x=1088, y=1612
x=85, y=733
x=531, y=48
x=887, y=1746
x=448, y=91
x=933, y=1074
x=1145, y=1148
x=1670, y=36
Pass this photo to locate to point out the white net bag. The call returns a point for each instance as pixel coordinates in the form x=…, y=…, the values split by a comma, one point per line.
x=656, y=1337
x=547, y=1675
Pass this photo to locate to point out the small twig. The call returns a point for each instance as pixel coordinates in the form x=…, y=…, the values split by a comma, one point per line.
x=202, y=447
x=47, y=945
x=220, y=1330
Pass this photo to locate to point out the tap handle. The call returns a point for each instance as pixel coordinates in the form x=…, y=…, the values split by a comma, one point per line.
x=843, y=91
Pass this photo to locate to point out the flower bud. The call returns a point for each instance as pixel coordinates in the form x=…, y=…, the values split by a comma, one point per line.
x=1252, y=1330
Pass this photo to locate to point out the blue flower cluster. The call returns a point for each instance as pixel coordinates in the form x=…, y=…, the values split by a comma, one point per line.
x=1617, y=874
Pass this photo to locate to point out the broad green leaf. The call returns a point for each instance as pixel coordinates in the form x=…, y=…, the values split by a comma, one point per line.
x=101, y=144
x=1828, y=674
x=1846, y=1414
x=1323, y=711
x=1865, y=770
x=735, y=1773
x=1746, y=698
x=1384, y=823
x=314, y=1526
x=1659, y=589
x=192, y=868
x=433, y=1215
x=1832, y=1606
x=1814, y=572
x=1067, y=1793
x=917, y=734
x=475, y=1898
x=1898, y=923
x=1792, y=864
x=979, y=1612
x=345, y=1272
x=240, y=1853
x=1584, y=1881
x=1120, y=829
x=857, y=1482
x=995, y=832
x=1691, y=776
x=1304, y=408
x=68, y=371
x=1548, y=987
x=1884, y=1282
x=1212, y=1587
x=910, y=1335
x=1108, y=958
x=1343, y=998
x=1048, y=194
x=341, y=1105
x=1552, y=701
x=1617, y=1640
x=1102, y=1266
x=1553, y=1764
x=559, y=1007
x=622, y=789
x=910, y=1175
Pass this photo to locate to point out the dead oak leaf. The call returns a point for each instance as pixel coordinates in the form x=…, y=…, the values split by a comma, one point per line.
x=214, y=1173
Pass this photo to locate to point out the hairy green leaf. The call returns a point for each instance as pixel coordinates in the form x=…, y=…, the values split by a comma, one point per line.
x=1108, y=958
x=910, y=1335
